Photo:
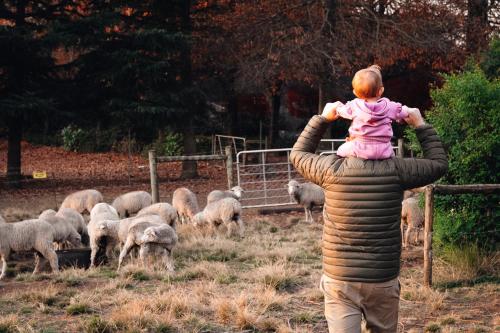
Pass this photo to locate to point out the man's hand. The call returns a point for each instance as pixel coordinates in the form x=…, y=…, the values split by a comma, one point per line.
x=414, y=118
x=330, y=111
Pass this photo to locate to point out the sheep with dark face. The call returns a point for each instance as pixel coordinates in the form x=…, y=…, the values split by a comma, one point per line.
x=30, y=235
x=236, y=192
x=308, y=195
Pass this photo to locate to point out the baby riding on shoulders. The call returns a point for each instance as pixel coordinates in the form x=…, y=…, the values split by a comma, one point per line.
x=370, y=132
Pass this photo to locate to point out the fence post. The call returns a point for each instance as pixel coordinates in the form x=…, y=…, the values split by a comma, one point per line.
x=401, y=152
x=229, y=166
x=154, y=176
x=429, y=219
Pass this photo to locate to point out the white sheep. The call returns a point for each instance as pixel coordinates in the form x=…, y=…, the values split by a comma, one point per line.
x=72, y=217
x=308, y=195
x=125, y=224
x=226, y=211
x=103, y=236
x=102, y=230
x=164, y=210
x=64, y=231
x=413, y=216
x=30, y=235
x=132, y=202
x=82, y=201
x=77, y=221
x=103, y=211
x=146, y=235
x=236, y=192
x=186, y=204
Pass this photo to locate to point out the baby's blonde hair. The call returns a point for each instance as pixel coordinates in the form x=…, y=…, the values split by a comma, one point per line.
x=367, y=82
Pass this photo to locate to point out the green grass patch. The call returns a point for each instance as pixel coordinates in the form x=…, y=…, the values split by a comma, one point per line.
x=96, y=324
x=78, y=309
x=432, y=328
x=448, y=321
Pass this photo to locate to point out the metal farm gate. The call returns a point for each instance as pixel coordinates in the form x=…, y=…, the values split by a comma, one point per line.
x=264, y=174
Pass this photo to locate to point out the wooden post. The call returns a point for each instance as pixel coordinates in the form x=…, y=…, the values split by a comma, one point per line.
x=154, y=176
x=429, y=219
x=401, y=152
x=229, y=166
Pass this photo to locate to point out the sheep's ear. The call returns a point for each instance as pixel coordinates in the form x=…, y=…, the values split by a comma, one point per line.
x=153, y=232
x=102, y=226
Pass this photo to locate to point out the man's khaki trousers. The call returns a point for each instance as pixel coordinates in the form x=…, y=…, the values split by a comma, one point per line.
x=347, y=302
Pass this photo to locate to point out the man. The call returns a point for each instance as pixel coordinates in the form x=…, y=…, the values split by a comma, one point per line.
x=361, y=233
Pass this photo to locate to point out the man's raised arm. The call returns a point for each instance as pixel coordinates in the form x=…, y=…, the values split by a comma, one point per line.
x=416, y=172
x=310, y=165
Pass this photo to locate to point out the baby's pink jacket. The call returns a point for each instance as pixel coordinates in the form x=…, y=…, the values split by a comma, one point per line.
x=370, y=127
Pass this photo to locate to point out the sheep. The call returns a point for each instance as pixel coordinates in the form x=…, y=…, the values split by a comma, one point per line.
x=103, y=211
x=103, y=236
x=413, y=216
x=29, y=235
x=64, y=231
x=131, y=202
x=82, y=201
x=125, y=224
x=224, y=211
x=77, y=221
x=146, y=234
x=102, y=230
x=307, y=195
x=235, y=192
x=164, y=210
x=186, y=204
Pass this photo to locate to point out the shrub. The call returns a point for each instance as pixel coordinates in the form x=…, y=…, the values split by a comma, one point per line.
x=73, y=137
x=78, y=308
x=172, y=144
x=466, y=114
x=97, y=325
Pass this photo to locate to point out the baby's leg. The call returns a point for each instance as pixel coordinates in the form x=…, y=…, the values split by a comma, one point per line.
x=346, y=149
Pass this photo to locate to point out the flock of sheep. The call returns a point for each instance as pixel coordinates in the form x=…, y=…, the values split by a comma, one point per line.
x=133, y=221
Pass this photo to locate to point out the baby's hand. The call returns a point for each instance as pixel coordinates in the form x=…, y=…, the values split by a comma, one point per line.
x=414, y=118
x=330, y=111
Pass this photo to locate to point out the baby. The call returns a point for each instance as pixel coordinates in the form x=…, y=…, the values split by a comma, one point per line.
x=370, y=132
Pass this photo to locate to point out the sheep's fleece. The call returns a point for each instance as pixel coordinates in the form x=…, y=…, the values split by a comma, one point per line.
x=132, y=202
x=82, y=201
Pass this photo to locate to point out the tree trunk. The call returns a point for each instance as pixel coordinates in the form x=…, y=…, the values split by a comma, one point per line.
x=14, y=151
x=189, y=168
x=477, y=28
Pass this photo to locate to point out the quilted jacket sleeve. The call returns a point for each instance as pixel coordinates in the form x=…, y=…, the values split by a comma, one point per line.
x=310, y=165
x=416, y=172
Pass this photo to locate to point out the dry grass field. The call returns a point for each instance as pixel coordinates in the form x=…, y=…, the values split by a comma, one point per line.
x=265, y=282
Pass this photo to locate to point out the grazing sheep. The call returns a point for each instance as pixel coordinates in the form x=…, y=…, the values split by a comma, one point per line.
x=164, y=210
x=145, y=235
x=132, y=202
x=82, y=201
x=103, y=235
x=307, y=195
x=30, y=235
x=64, y=231
x=77, y=221
x=125, y=224
x=103, y=211
x=235, y=192
x=225, y=212
x=413, y=216
x=186, y=204
x=102, y=230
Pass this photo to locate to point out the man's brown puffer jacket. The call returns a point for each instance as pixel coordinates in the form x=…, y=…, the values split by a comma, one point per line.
x=361, y=233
